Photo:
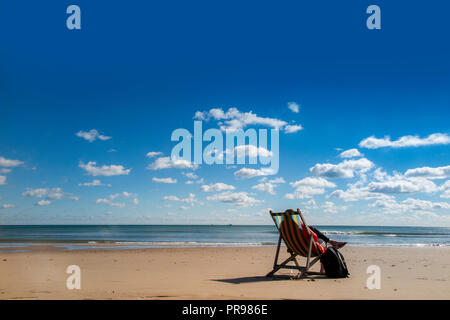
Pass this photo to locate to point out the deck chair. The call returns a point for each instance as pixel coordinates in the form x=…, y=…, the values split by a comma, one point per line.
x=299, y=240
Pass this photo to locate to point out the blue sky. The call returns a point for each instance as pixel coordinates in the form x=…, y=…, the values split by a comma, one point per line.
x=137, y=71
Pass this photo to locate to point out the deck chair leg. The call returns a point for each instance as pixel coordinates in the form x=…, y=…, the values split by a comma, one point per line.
x=279, y=266
x=305, y=271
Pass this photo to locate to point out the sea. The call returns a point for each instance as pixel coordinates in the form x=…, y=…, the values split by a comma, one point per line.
x=110, y=237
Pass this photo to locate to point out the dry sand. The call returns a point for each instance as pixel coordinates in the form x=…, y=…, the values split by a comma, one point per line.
x=218, y=273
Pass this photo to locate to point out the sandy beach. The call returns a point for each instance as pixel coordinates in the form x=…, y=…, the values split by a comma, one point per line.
x=218, y=273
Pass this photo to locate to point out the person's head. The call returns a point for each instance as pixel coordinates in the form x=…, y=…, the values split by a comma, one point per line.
x=288, y=214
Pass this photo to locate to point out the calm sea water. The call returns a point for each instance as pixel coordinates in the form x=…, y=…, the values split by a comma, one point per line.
x=138, y=236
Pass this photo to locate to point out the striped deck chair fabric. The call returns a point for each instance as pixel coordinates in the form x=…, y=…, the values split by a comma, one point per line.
x=300, y=240
x=296, y=236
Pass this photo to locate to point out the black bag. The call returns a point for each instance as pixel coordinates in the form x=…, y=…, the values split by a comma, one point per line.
x=334, y=264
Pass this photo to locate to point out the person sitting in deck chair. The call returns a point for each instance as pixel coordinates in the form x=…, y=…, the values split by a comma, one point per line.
x=323, y=239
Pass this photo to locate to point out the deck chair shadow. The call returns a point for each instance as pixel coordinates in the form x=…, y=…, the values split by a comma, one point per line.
x=300, y=242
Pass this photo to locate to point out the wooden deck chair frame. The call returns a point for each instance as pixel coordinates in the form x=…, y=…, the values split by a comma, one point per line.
x=303, y=270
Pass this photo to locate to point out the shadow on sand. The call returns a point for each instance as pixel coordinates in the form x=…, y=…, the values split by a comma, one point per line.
x=265, y=279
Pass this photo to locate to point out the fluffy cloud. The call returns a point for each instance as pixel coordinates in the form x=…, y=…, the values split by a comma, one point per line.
x=252, y=151
x=410, y=204
x=91, y=135
x=191, y=199
x=445, y=188
x=399, y=184
x=316, y=182
x=164, y=180
x=309, y=187
x=268, y=186
x=233, y=119
x=405, y=141
x=94, y=183
x=354, y=193
x=190, y=175
x=152, y=154
x=251, y=173
x=168, y=163
x=43, y=203
x=217, y=187
x=429, y=173
x=9, y=163
x=55, y=194
x=2, y=180
x=4, y=170
x=265, y=187
x=49, y=194
x=35, y=193
x=351, y=153
x=7, y=206
x=124, y=195
x=240, y=199
x=294, y=107
x=330, y=207
x=345, y=169
x=112, y=170
x=292, y=128
x=111, y=203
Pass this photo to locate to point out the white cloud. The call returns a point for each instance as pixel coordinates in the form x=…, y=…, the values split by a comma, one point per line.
x=292, y=128
x=4, y=170
x=410, y=204
x=240, y=199
x=124, y=195
x=111, y=203
x=277, y=180
x=293, y=106
x=233, y=119
x=164, y=180
x=316, y=182
x=353, y=193
x=309, y=187
x=304, y=192
x=49, y=194
x=405, y=141
x=345, y=169
x=399, y=184
x=351, y=153
x=252, y=151
x=43, y=203
x=191, y=199
x=219, y=186
x=112, y=170
x=2, y=180
x=168, y=163
x=9, y=163
x=445, y=188
x=250, y=173
x=265, y=187
x=7, y=206
x=190, y=175
x=91, y=135
x=330, y=207
x=55, y=194
x=35, y=193
x=429, y=173
x=152, y=154
x=94, y=183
